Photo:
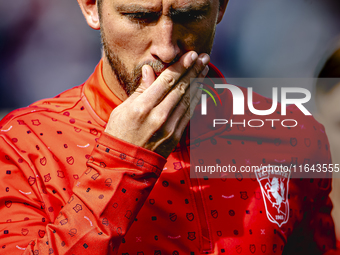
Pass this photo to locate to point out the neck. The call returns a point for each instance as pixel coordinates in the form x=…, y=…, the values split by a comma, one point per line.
x=111, y=80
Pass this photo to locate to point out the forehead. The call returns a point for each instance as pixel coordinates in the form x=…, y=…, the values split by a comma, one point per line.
x=162, y=5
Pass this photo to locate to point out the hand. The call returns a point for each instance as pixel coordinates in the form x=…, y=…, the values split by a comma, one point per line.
x=156, y=114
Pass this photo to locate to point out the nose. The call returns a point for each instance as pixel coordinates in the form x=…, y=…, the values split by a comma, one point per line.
x=165, y=41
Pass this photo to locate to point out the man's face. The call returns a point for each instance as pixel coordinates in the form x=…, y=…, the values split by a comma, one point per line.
x=154, y=32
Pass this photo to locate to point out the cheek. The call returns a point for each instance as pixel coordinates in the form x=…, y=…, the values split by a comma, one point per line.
x=197, y=38
x=124, y=39
x=190, y=41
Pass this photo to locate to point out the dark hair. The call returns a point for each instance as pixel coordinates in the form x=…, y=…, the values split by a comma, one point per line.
x=331, y=69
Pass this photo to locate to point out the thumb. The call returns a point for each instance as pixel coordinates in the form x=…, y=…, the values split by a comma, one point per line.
x=148, y=77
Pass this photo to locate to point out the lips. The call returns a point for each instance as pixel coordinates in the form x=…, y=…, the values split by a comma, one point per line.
x=159, y=69
x=158, y=73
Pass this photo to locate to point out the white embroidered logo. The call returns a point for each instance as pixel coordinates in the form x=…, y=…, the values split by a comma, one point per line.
x=274, y=186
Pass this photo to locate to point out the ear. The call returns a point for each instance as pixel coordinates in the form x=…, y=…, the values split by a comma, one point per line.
x=223, y=6
x=90, y=12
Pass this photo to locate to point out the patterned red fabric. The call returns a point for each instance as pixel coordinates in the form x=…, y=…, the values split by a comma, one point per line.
x=69, y=188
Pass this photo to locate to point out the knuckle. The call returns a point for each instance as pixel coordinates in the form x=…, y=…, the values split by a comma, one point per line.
x=158, y=119
x=186, y=100
x=181, y=87
x=197, y=69
x=162, y=118
x=139, y=111
x=169, y=130
x=139, y=90
x=168, y=80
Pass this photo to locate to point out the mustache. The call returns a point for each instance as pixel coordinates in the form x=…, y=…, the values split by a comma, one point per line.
x=157, y=65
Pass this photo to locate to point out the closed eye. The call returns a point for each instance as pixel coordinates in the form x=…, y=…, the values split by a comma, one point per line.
x=142, y=17
x=187, y=17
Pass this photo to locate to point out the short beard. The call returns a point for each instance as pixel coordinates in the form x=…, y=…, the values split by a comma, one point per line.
x=129, y=81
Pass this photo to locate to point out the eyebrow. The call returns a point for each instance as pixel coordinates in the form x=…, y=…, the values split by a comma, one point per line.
x=200, y=7
x=134, y=8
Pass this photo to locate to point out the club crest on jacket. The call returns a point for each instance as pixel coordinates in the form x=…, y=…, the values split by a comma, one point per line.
x=274, y=186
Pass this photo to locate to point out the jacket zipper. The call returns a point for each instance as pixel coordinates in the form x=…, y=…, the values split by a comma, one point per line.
x=196, y=189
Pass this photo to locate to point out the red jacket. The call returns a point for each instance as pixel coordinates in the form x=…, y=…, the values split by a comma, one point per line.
x=69, y=188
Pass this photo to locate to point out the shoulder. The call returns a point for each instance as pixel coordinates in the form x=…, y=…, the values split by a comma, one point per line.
x=43, y=108
x=39, y=122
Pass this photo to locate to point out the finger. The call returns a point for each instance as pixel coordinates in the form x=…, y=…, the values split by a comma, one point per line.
x=186, y=102
x=171, y=126
x=175, y=96
x=167, y=80
x=148, y=77
x=190, y=112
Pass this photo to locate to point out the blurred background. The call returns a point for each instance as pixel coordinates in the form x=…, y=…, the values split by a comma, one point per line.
x=46, y=46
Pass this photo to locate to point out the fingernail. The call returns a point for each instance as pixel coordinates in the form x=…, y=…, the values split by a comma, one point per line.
x=194, y=56
x=205, y=71
x=144, y=72
x=205, y=60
